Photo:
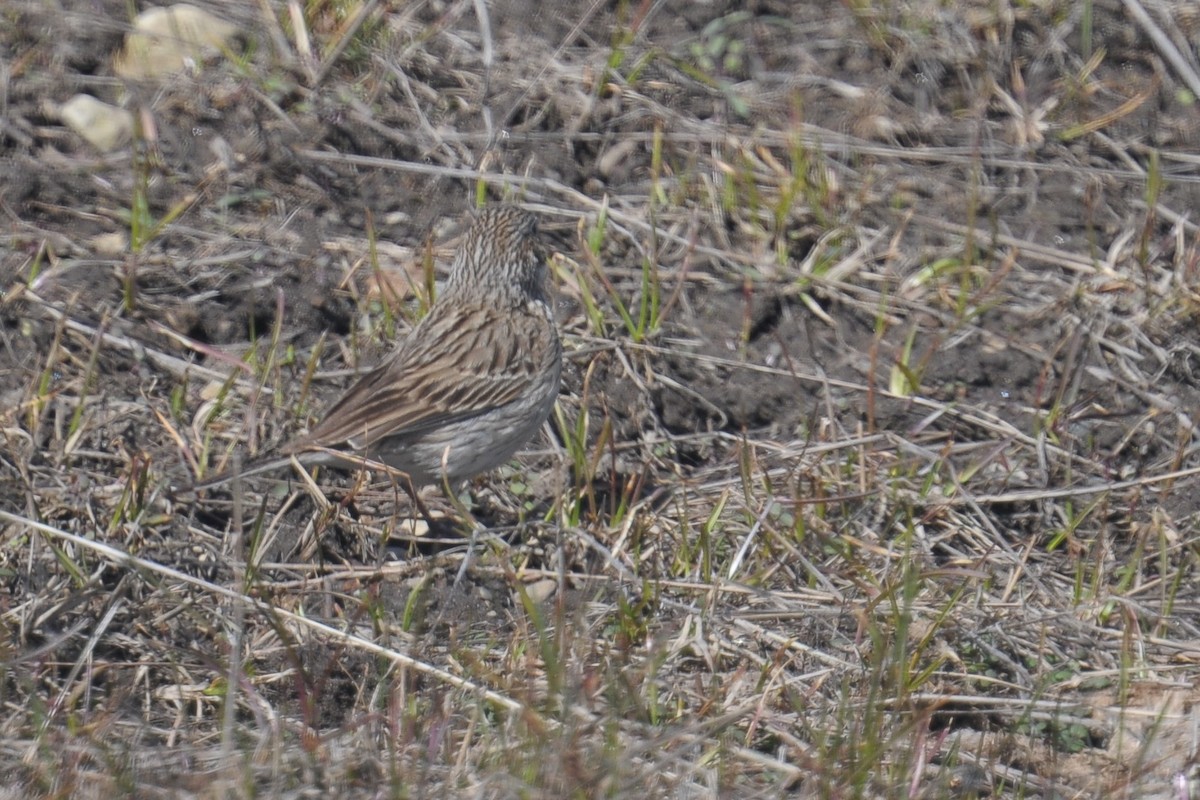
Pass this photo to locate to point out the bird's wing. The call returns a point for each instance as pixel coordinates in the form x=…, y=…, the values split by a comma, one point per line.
x=459, y=362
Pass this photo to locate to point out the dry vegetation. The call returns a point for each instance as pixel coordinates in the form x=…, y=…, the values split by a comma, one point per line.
x=874, y=469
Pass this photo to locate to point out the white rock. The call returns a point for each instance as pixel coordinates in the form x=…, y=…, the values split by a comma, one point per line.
x=166, y=40
x=105, y=127
x=541, y=591
x=114, y=243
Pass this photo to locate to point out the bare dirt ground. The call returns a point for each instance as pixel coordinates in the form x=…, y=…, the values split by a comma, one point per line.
x=874, y=468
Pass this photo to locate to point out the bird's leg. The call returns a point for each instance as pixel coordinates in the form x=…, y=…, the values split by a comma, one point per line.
x=412, y=491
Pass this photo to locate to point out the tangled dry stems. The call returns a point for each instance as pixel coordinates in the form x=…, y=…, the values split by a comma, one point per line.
x=895, y=497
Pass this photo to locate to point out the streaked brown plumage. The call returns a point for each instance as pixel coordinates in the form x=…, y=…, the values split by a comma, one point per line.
x=470, y=384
